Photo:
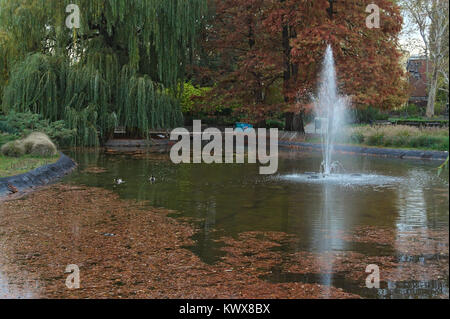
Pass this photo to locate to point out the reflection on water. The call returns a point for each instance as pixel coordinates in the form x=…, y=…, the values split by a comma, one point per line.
x=390, y=290
x=10, y=290
x=348, y=180
x=237, y=199
x=231, y=199
x=331, y=222
x=226, y=200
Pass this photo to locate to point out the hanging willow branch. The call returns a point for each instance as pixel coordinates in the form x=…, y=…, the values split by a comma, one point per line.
x=123, y=66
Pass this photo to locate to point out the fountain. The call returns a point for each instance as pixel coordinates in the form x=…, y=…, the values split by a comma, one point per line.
x=331, y=108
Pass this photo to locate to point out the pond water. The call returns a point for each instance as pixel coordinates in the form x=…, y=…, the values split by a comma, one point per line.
x=226, y=200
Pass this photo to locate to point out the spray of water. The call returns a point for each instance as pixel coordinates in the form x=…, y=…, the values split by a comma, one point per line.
x=331, y=108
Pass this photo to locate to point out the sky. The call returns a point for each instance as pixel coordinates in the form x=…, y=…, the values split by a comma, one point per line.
x=410, y=39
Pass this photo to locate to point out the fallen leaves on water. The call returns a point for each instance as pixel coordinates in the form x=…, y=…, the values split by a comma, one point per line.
x=62, y=225
x=94, y=170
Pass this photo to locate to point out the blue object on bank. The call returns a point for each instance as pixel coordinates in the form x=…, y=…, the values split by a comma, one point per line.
x=244, y=126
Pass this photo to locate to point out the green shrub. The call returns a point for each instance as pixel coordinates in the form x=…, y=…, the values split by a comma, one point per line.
x=357, y=137
x=190, y=93
x=5, y=138
x=412, y=109
x=26, y=123
x=400, y=141
x=369, y=115
x=440, y=107
x=389, y=141
x=431, y=142
x=5, y=127
x=274, y=123
x=376, y=139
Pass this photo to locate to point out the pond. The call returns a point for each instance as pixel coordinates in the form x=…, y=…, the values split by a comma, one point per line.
x=398, y=210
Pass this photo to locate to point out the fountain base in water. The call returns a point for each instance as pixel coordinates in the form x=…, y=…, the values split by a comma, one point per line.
x=331, y=108
x=335, y=168
x=343, y=179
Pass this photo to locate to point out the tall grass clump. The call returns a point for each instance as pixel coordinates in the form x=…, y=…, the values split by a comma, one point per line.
x=36, y=144
x=400, y=137
x=39, y=144
x=13, y=149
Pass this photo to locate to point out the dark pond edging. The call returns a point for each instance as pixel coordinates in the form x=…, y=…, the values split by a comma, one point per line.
x=38, y=177
x=373, y=151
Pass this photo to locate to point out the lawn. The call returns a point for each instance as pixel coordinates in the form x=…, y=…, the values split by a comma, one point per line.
x=10, y=166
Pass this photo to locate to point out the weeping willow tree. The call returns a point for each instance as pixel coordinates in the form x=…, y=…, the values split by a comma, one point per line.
x=122, y=66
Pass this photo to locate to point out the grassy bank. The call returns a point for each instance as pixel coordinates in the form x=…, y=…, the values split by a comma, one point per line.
x=10, y=166
x=399, y=137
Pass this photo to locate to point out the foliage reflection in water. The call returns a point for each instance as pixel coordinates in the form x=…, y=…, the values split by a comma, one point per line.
x=406, y=198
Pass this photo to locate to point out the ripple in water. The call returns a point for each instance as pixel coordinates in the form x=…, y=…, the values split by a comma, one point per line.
x=344, y=179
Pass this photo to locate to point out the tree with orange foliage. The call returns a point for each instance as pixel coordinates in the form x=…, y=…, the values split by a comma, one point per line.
x=250, y=58
x=267, y=45
x=367, y=60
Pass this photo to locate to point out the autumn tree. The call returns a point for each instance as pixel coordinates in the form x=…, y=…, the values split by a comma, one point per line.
x=367, y=59
x=250, y=60
x=121, y=65
x=431, y=19
x=285, y=41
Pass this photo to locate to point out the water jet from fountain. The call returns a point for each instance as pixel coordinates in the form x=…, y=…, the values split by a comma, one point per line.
x=331, y=108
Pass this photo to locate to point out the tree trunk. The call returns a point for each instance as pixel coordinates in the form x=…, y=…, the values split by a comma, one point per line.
x=289, y=120
x=287, y=60
x=432, y=93
x=294, y=122
x=299, y=123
